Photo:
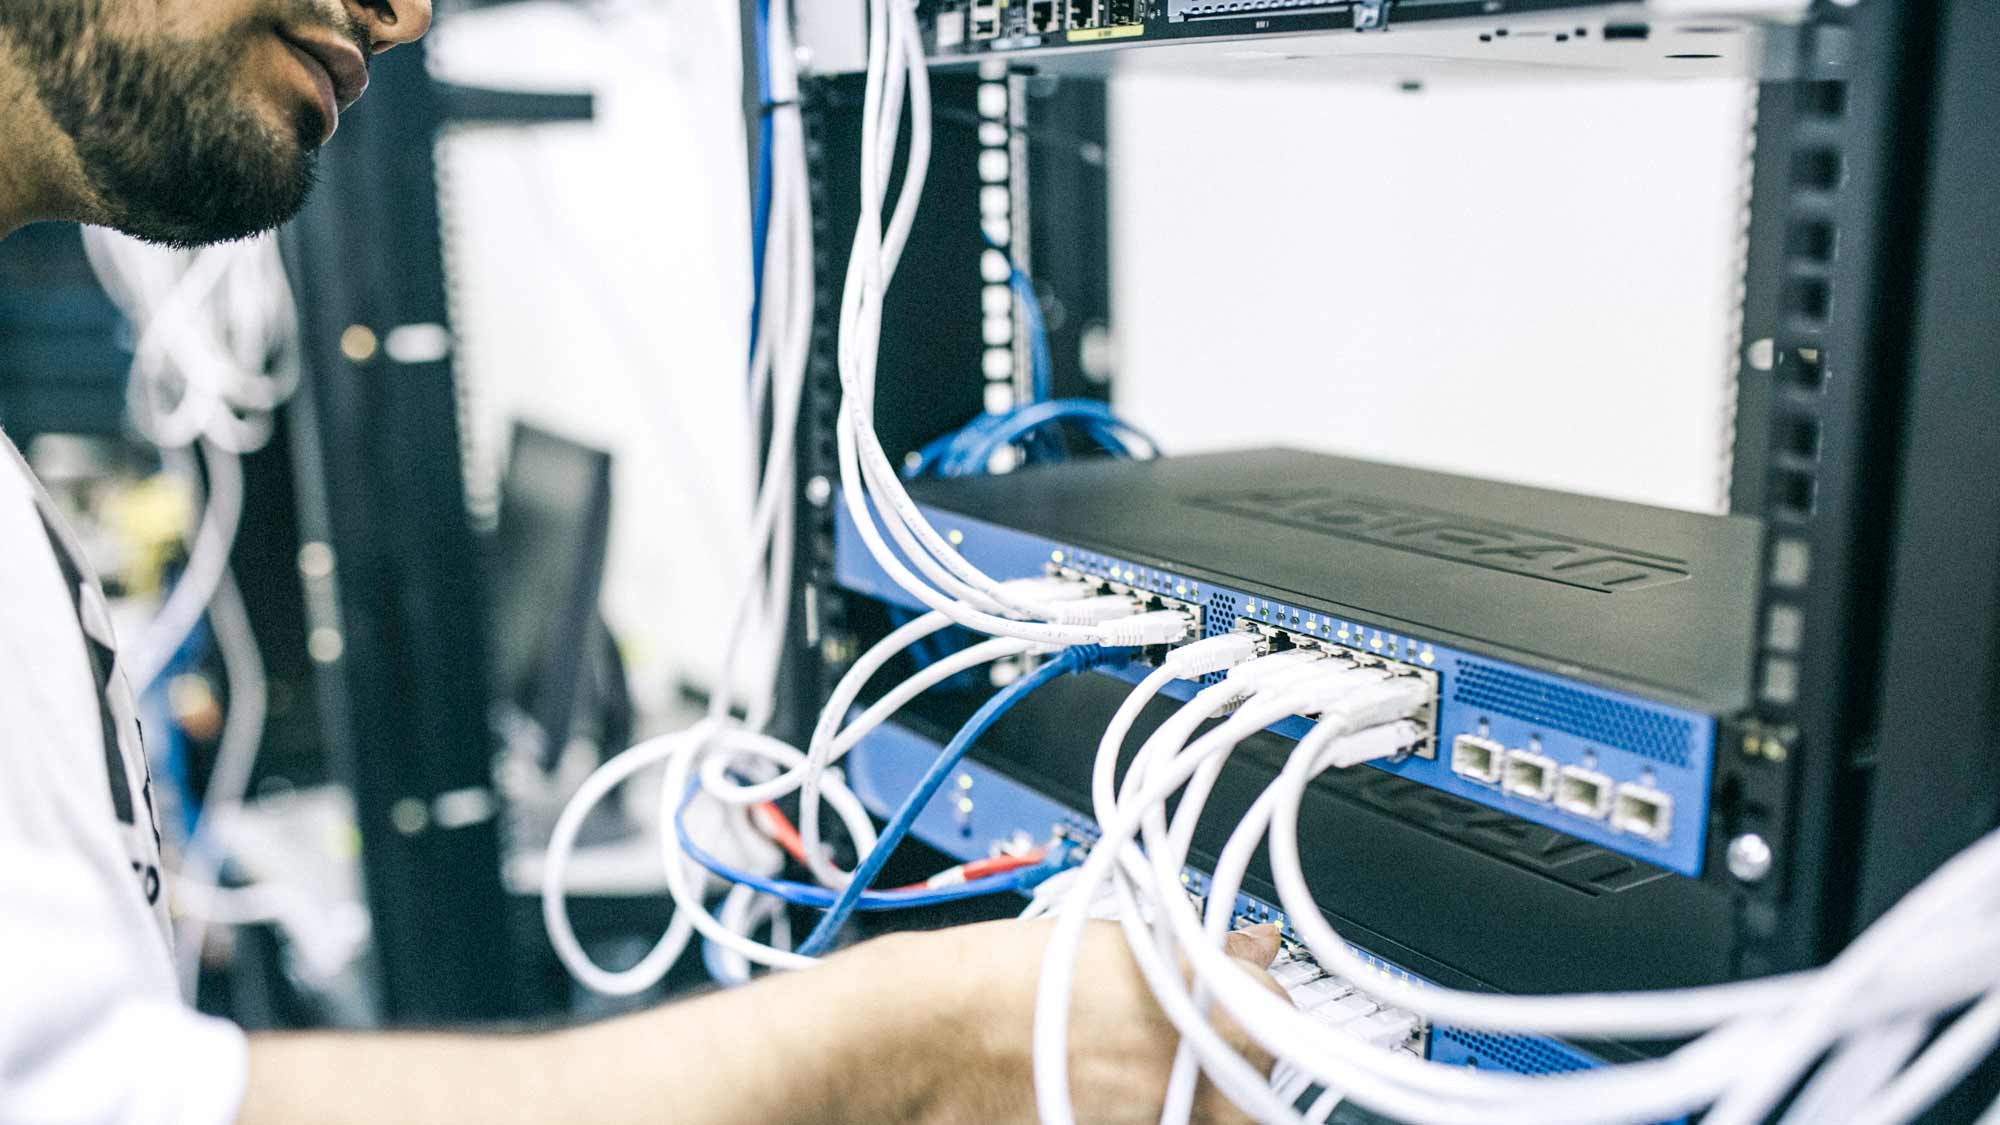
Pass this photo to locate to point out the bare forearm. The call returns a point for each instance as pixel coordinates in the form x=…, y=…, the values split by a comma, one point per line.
x=853, y=1040
x=929, y=1028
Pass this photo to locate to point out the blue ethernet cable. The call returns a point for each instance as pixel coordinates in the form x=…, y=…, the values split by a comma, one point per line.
x=1042, y=362
x=966, y=451
x=1042, y=368
x=1071, y=660
x=820, y=898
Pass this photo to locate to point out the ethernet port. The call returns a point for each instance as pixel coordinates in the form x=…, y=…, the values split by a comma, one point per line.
x=1044, y=16
x=1583, y=792
x=985, y=19
x=1643, y=812
x=1530, y=775
x=1477, y=759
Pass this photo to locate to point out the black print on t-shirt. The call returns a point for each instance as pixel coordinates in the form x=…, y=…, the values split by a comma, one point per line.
x=101, y=659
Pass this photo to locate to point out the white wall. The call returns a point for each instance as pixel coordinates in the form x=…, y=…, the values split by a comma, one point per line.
x=1518, y=280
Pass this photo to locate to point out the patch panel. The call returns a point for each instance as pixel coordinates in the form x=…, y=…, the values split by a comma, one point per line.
x=1547, y=648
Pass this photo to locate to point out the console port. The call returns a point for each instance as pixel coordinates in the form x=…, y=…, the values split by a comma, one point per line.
x=1643, y=812
x=1530, y=775
x=1045, y=16
x=1478, y=759
x=1583, y=792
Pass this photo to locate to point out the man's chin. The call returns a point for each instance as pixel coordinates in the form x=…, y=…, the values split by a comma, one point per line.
x=247, y=208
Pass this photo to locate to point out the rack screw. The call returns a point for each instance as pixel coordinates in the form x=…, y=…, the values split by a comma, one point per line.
x=1749, y=858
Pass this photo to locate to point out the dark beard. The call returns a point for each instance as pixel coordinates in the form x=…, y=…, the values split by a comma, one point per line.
x=159, y=129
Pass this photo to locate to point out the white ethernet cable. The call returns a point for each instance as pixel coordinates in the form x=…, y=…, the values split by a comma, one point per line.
x=871, y=487
x=827, y=747
x=777, y=378
x=1864, y=1063
x=207, y=561
x=1189, y=662
x=1114, y=849
x=830, y=743
x=697, y=752
x=199, y=900
x=1648, y=1091
x=678, y=749
x=217, y=345
x=822, y=753
x=1364, y=697
x=743, y=911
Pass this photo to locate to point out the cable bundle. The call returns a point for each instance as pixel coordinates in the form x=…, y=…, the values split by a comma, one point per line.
x=1755, y=1041
x=734, y=763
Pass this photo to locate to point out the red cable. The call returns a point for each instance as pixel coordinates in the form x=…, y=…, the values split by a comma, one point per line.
x=779, y=828
x=977, y=869
x=774, y=823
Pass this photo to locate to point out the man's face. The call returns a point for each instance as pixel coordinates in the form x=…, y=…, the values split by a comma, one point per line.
x=198, y=121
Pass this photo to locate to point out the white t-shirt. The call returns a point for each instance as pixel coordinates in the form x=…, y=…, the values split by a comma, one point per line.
x=92, y=1024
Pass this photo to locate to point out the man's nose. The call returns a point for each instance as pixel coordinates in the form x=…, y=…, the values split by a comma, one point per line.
x=391, y=22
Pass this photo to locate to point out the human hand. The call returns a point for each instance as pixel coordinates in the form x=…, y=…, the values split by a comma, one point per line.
x=983, y=978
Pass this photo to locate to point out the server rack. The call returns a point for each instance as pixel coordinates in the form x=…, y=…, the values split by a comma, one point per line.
x=1864, y=419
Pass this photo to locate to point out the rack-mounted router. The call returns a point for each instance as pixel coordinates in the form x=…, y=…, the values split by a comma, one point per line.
x=1583, y=649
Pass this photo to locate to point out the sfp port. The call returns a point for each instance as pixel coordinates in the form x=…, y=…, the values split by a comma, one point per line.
x=1477, y=759
x=1529, y=775
x=1583, y=792
x=1643, y=812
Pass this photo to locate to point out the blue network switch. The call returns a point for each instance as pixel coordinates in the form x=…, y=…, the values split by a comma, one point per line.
x=1624, y=772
